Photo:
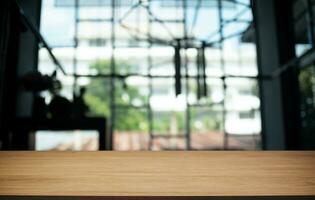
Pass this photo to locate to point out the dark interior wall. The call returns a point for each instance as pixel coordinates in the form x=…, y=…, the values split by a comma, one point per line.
x=28, y=56
x=289, y=79
x=18, y=56
x=4, y=5
x=28, y=60
x=9, y=43
x=273, y=131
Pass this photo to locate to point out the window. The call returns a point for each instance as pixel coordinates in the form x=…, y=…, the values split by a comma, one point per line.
x=246, y=115
x=97, y=42
x=125, y=59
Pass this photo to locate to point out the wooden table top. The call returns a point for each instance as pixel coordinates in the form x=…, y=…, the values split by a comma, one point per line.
x=147, y=174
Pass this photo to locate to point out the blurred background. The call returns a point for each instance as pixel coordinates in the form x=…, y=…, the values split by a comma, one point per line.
x=89, y=75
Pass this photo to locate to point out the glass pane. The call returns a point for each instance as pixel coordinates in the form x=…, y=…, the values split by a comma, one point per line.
x=239, y=58
x=207, y=128
x=57, y=24
x=132, y=91
x=242, y=103
x=214, y=92
x=66, y=141
x=243, y=121
x=162, y=61
x=96, y=96
x=302, y=24
x=307, y=89
x=131, y=129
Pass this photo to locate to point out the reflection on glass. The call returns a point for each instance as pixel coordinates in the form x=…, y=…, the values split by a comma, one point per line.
x=307, y=95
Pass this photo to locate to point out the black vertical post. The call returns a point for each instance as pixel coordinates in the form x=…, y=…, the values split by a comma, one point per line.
x=76, y=43
x=188, y=114
x=150, y=66
x=112, y=79
x=222, y=63
x=177, y=62
x=198, y=77
x=289, y=79
x=204, y=67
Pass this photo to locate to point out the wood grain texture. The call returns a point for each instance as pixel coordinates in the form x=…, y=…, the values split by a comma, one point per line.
x=145, y=174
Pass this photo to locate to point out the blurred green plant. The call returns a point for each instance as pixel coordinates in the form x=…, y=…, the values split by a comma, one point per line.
x=98, y=99
x=128, y=119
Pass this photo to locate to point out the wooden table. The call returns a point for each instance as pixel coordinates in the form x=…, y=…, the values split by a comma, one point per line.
x=157, y=175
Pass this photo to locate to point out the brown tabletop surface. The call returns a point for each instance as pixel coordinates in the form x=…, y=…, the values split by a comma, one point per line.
x=148, y=174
